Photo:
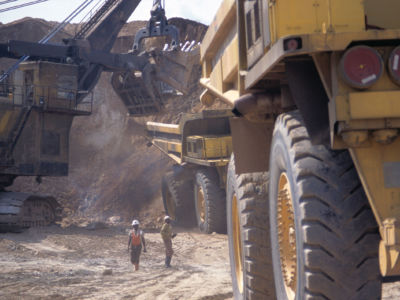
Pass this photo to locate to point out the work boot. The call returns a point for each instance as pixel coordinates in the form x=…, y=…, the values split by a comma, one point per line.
x=168, y=261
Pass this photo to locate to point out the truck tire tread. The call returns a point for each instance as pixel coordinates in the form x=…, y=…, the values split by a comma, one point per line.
x=214, y=198
x=340, y=234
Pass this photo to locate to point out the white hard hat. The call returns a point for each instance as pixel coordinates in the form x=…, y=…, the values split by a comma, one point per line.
x=166, y=218
x=135, y=222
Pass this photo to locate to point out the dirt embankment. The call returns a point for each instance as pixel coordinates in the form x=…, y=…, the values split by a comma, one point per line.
x=112, y=171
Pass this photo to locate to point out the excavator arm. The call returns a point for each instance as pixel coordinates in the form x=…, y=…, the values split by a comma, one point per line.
x=137, y=75
x=135, y=79
x=73, y=54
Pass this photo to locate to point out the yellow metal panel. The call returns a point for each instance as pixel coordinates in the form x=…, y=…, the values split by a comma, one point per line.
x=347, y=16
x=371, y=163
x=172, y=149
x=378, y=167
x=312, y=16
x=295, y=17
x=322, y=15
x=230, y=60
x=162, y=127
x=218, y=146
x=175, y=147
x=173, y=156
x=374, y=105
x=208, y=162
x=216, y=76
x=212, y=146
x=214, y=35
x=168, y=145
x=206, y=68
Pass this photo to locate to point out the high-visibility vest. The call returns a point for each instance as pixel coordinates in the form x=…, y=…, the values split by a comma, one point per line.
x=136, y=241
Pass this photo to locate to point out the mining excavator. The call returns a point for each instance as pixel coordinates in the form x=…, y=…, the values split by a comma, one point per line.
x=53, y=84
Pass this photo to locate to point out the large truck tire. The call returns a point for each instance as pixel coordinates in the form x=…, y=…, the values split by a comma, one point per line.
x=178, y=200
x=324, y=235
x=209, y=201
x=248, y=235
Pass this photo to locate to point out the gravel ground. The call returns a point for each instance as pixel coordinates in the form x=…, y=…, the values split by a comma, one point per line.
x=78, y=263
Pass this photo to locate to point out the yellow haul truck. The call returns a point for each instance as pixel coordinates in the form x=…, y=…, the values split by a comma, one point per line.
x=313, y=187
x=200, y=145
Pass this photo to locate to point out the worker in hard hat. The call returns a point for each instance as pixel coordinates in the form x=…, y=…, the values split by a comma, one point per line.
x=135, y=243
x=167, y=236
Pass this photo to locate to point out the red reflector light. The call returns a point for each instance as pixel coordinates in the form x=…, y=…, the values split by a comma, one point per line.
x=394, y=65
x=292, y=44
x=361, y=66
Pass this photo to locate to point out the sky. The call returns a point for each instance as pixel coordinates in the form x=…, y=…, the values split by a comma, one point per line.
x=57, y=10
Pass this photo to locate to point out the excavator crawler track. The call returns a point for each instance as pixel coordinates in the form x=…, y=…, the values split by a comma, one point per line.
x=19, y=211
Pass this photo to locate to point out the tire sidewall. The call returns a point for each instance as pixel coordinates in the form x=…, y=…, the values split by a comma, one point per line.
x=187, y=215
x=230, y=191
x=281, y=161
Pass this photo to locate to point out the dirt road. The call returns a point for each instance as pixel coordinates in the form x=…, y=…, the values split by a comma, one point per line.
x=77, y=263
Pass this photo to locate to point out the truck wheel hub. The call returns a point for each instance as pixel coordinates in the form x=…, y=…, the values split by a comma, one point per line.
x=237, y=242
x=201, y=204
x=287, y=237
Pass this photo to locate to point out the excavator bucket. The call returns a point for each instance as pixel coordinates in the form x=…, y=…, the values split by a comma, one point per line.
x=140, y=95
x=142, y=92
x=178, y=68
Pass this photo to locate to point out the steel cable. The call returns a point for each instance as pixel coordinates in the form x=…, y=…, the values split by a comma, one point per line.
x=22, y=5
x=45, y=39
x=67, y=20
x=94, y=8
x=8, y=1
